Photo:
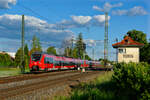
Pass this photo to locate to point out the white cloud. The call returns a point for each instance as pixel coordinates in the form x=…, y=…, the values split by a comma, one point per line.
x=11, y=28
x=135, y=11
x=91, y=42
x=99, y=20
x=5, y=4
x=66, y=24
x=97, y=8
x=81, y=19
x=119, y=12
x=75, y=22
x=107, y=7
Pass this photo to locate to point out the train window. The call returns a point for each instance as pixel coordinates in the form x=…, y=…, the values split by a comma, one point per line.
x=36, y=57
x=57, y=63
x=51, y=60
x=70, y=63
x=48, y=60
x=66, y=63
x=62, y=63
x=45, y=60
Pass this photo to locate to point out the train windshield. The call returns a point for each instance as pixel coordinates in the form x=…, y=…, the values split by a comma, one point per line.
x=36, y=57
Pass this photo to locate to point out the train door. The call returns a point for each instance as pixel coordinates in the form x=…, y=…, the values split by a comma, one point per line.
x=51, y=63
x=46, y=63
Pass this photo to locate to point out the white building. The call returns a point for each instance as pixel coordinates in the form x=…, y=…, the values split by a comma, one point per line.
x=128, y=50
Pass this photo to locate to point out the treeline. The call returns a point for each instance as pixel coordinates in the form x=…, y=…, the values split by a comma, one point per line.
x=77, y=50
x=7, y=61
x=72, y=48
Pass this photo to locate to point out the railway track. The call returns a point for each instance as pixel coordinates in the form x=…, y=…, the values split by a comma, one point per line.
x=12, y=92
x=4, y=80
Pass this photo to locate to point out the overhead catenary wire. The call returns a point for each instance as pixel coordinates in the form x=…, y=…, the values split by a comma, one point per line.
x=34, y=12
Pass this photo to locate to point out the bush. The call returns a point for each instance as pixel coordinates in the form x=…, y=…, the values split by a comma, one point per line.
x=5, y=60
x=132, y=80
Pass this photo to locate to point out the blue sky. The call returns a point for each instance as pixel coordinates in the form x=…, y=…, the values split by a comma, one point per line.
x=56, y=20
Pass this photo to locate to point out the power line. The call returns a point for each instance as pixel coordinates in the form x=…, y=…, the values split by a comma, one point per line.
x=31, y=10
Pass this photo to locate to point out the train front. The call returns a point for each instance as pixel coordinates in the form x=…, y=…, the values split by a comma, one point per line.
x=36, y=62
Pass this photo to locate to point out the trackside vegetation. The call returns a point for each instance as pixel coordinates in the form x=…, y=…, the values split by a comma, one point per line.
x=128, y=82
x=132, y=81
x=5, y=60
x=99, y=89
x=11, y=71
x=6, y=71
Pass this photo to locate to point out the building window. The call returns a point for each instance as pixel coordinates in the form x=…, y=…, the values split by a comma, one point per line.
x=122, y=50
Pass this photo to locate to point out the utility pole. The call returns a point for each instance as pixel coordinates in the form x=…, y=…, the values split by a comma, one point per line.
x=106, y=40
x=22, y=41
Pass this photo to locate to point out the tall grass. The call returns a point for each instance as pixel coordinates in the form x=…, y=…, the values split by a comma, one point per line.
x=100, y=89
x=7, y=71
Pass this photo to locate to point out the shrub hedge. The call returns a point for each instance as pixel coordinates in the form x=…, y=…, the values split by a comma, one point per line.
x=132, y=80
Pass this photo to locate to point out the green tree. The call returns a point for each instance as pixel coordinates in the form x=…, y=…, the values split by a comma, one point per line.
x=26, y=55
x=80, y=46
x=74, y=53
x=68, y=52
x=36, y=46
x=5, y=60
x=100, y=59
x=139, y=36
x=26, y=50
x=18, y=57
x=51, y=50
x=87, y=57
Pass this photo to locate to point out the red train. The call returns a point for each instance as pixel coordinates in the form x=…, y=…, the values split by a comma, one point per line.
x=47, y=62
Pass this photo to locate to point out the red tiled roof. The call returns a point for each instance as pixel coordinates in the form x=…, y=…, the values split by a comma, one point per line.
x=127, y=42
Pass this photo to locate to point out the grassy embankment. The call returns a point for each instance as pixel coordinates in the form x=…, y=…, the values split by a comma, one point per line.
x=128, y=82
x=99, y=89
x=6, y=71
